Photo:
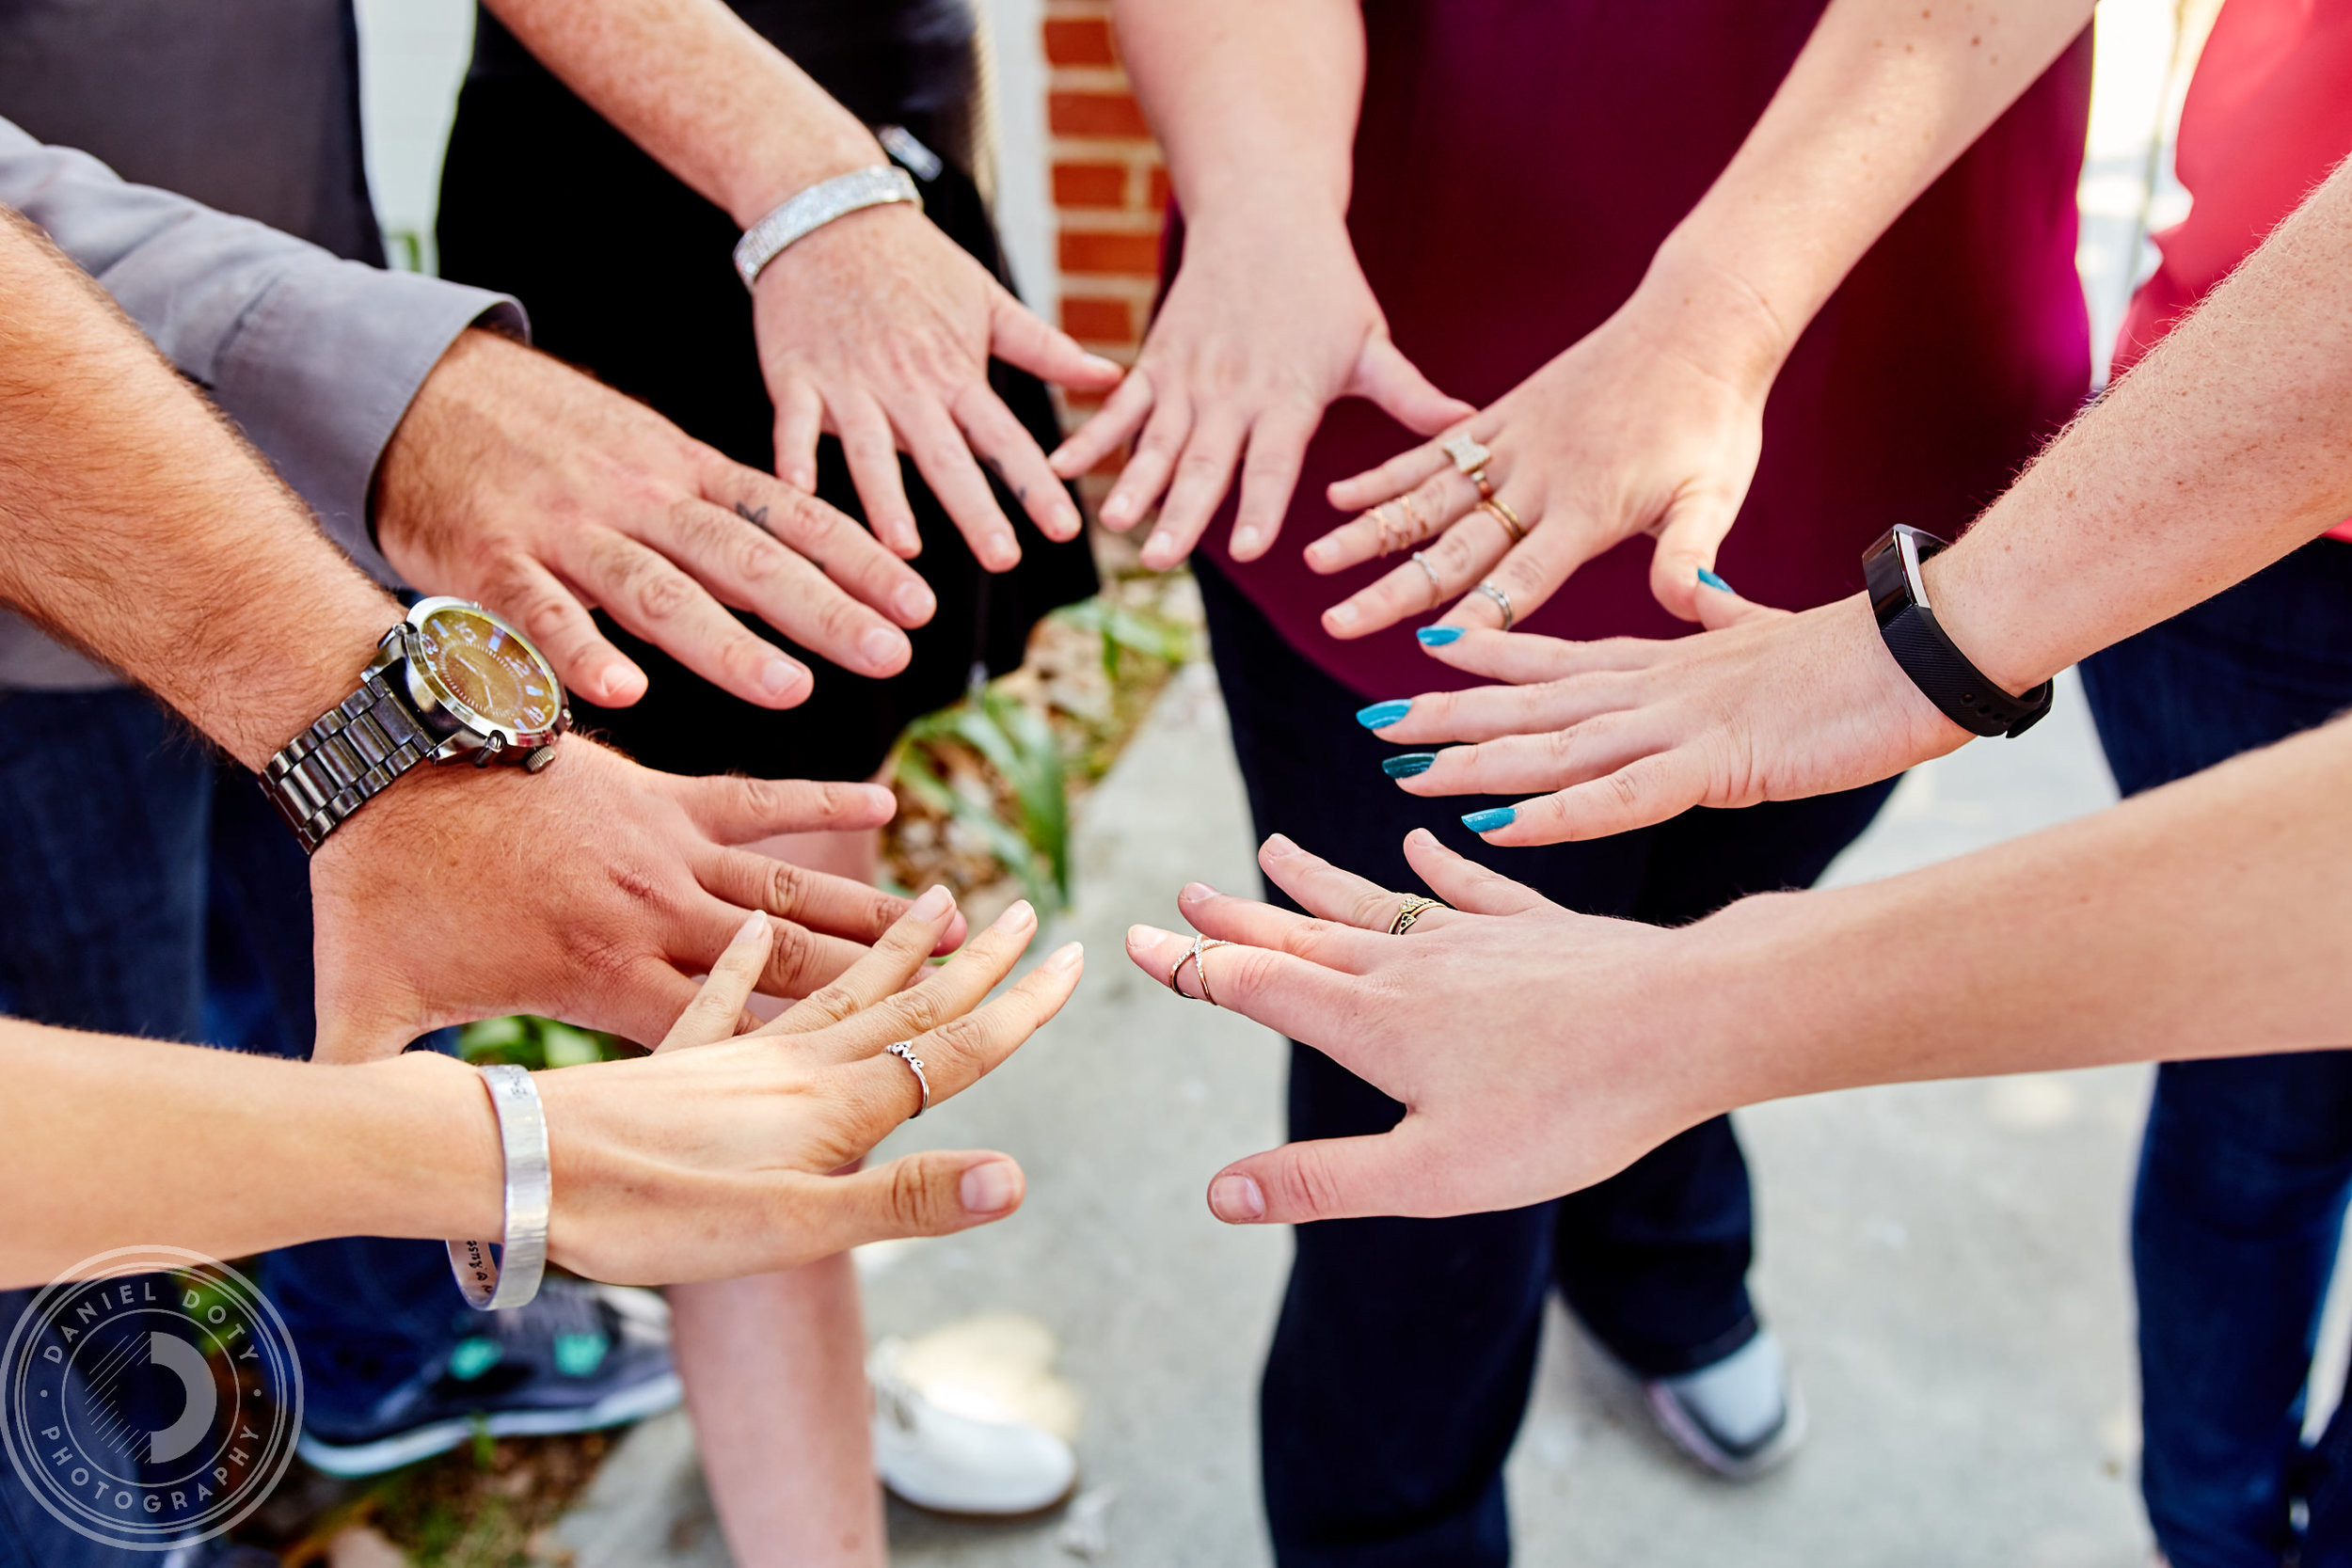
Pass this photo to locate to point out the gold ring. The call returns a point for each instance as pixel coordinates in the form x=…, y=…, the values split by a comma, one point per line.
x=1470, y=461
x=1412, y=909
x=1405, y=504
x=1501, y=512
x=1197, y=956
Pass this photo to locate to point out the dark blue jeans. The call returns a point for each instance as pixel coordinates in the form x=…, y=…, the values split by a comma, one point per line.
x=1406, y=1349
x=2248, y=1161
x=146, y=888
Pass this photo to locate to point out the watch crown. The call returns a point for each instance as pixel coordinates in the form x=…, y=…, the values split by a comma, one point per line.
x=539, y=759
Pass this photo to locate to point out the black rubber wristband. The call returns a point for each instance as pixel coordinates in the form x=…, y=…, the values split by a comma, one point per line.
x=1959, y=689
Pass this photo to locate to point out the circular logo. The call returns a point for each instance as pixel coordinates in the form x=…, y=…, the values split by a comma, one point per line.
x=152, y=1398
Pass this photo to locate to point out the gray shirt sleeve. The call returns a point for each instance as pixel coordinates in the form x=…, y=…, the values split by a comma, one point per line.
x=315, y=357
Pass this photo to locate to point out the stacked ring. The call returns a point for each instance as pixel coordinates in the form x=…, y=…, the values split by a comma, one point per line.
x=1412, y=909
x=1501, y=512
x=1437, y=589
x=1197, y=956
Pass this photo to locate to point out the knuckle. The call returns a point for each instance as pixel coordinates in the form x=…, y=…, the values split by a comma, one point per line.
x=1625, y=788
x=913, y=1203
x=782, y=886
x=960, y=1040
x=831, y=1004
x=917, y=1012
x=1306, y=1185
x=792, y=960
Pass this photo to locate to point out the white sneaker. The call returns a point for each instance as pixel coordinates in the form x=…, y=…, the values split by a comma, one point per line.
x=1738, y=1418
x=958, y=1462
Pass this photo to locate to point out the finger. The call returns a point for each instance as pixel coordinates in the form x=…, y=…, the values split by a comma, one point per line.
x=827, y=539
x=1538, y=564
x=1326, y=890
x=1548, y=759
x=817, y=899
x=1407, y=469
x=799, y=420
x=883, y=972
x=1688, y=537
x=933, y=1194
x=560, y=626
x=1278, y=449
x=1524, y=659
x=1017, y=337
x=1121, y=415
x=964, y=1050
x=1641, y=793
x=1335, y=944
x=947, y=992
x=1307, y=1001
x=1461, y=557
x=368, y=1011
x=1425, y=511
x=873, y=453
x=1463, y=882
x=1137, y=491
x=718, y=1007
x=1202, y=475
x=800, y=960
x=1720, y=605
x=1396, y=384
x=945, y=463
x=733, y=810
x=1331, y=1179
x=1006, y=449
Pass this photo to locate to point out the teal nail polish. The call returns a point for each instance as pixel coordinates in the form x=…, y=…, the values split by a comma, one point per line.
x=1437, y=637
x=1711, y=580
x=1407, y=765
x=1488, y=821
x=1379, y=715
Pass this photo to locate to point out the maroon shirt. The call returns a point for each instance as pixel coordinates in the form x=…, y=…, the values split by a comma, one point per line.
x=1518, y=163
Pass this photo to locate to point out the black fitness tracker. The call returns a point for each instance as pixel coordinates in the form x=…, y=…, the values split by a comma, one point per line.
x=1900, y=599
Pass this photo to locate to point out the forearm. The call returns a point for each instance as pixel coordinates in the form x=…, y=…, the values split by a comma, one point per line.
x=135, y=524
x=2213, y=917
x=1254, y=104
x=1884, y=97
x=690, y=83
x=133, y=1142
x=2226, y=448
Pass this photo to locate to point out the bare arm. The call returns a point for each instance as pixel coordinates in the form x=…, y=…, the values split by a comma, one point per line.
x=1653, y=422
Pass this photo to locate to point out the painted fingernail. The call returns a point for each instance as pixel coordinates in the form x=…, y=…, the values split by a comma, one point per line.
x=1245, y=540
x=1235, y=1199
x=989, y=1189
x=1406, y=765
x=1711, y=580
x=1438, y=637
x=1379, y=715
x=1065, y=957
x=1488, y=821
x=780, y=677
x=753, y=926
x=883, y=647
x=915, y=603
x=1017, y=918
x=938, y=901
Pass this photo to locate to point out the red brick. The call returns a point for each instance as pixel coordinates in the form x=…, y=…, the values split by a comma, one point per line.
x=1095, y=114
x=1160, y=193
x=1079, y=41
x=1090, y=184
x=1115, y=255
x=1102, y=321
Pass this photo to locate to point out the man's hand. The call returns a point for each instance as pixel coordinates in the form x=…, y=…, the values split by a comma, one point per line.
x=1627, y=732
x=879, y=329
x=1266, y=325
x=588, y=893
x=520, y=483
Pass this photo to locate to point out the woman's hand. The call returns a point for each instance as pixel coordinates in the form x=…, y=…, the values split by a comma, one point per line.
x=1650, y=424
x=1266, y=325
x=709, y=1159
x=879, y=329
x=1629, y=732
x=1536, y=1050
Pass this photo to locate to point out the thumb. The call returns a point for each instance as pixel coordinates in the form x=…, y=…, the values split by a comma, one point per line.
x=1395, y=385
x=364, y=1015
x=933, y=1194
x=1018, y=338
x=1328, y=1179
x=1688, y=537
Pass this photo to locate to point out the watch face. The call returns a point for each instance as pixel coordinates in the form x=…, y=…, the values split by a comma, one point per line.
x=497, y=677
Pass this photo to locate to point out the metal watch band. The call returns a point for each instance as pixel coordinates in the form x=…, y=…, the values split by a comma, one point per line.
x=1946, y=676
x=512, y=1278
x=355, y=747
x=812, y=209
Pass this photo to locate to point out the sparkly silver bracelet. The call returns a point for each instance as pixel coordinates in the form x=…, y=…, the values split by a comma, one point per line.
x=512, y=1278
x=817, y=206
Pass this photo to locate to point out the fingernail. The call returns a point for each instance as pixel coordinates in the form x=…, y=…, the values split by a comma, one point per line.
x=938, y=901
x=1280, y=843
x=1118, y=512
x=1192, y=893
x=1235, y=1200
x=1340, y=614
x=915, y=603
x=1065, y=957
x=1379, y=715
x=989, y=1189
x=1488, y=821
x=753, y=926
x=882, y=646
x=1245, y=540
x=780, y=677
x=1017, y=917
x=1711, y=580
x=1438, y=637
x=1096, y=363
x=803, y=480
x=1406, y=765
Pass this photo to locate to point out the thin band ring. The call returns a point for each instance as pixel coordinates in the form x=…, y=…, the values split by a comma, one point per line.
x=1501, y=512
x=904, y=1051
x=1412, y=909
x=1437, y=589
x=1501, y=600
x=1197, y=956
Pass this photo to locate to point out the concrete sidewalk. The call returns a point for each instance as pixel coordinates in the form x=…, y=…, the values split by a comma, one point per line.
x=1945, y=1260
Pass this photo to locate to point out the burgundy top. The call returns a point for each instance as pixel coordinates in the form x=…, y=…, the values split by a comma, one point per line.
x=1518, y=163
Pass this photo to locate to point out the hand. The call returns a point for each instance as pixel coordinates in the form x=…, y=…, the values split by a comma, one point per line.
x=1536, y=1050
x=1263, y=329
x=709, y=1159
x=1629, y=732
x=587, y=893
x=1640, y=427
x=879, y=329
x=524, y=485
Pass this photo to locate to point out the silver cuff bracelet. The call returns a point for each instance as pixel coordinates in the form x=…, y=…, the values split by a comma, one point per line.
x=817, y=206
x=512, y=1278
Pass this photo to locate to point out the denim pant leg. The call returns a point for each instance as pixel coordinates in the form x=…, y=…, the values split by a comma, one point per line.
x=2247, y=1162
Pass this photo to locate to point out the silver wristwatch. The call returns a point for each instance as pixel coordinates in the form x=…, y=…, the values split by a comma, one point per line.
x=450, y=681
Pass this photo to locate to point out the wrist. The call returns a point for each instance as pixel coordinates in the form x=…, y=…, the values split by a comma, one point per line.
x=767, y=182
x=429, y=1145
x=1746, y=964
x=1987, y=623
x=1708, y=313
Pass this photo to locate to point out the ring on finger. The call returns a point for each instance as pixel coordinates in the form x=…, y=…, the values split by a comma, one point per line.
x=1437, y=589
x=1470, y=460
x=1502, y=602
x=1197, y=956
x=1412, y=909
x=904, y=1051
x=1501, y=512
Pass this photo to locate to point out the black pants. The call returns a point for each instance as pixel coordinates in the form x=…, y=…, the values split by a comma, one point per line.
x=1402, y=1358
